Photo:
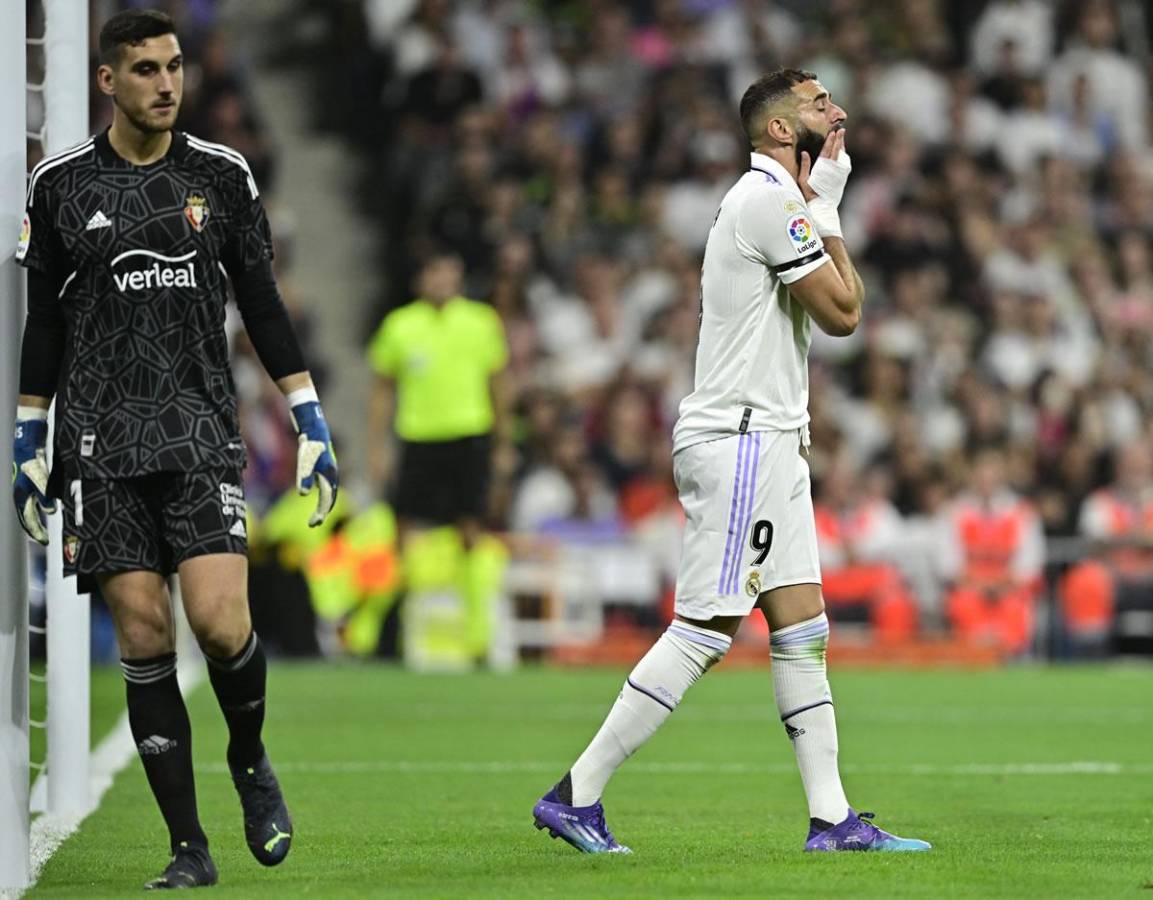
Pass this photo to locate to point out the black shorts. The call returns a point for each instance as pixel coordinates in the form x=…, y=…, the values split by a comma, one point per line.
x=443, y=482
x=153, y=522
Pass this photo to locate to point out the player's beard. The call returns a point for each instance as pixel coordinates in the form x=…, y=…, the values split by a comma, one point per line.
x=808, y=141
x=139, y=122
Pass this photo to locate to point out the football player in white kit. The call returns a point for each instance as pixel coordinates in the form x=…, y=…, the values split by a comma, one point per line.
x=775, y=263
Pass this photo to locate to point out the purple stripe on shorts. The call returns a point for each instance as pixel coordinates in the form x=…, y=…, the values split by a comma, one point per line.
x=732, y=511
x=738, y=544
x=752, y=459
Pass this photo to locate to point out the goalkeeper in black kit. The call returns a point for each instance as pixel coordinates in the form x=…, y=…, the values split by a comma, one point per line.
x=130, y=238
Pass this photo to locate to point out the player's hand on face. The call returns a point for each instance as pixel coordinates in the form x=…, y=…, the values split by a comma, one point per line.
x=829, y=173
x=834, y=143
x=30, y=478
x=829, y=150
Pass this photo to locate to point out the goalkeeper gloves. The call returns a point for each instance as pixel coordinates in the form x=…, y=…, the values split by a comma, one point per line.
x=315, y=458
x=30, y=472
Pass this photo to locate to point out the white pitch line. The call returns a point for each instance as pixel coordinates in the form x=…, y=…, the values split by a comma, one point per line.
x=757, y=713
x=431, y=767
x=111, y=755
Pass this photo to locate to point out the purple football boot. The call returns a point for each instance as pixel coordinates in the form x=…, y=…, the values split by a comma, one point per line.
x=854, y=833
x=582, y=826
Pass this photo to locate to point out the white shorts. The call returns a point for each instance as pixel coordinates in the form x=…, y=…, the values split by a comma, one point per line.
x=749, y=524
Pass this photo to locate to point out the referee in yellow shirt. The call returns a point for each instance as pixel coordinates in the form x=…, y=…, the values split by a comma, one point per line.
x=438, y=362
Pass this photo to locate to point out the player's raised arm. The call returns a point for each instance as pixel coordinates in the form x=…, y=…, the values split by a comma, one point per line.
x=832, y=295
x=248, y=260
x=833, y=304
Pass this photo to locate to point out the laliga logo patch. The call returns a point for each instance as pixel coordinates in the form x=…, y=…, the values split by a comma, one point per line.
x=25, y=237
x=196, y=211
x=801, y=234
x=799, y=229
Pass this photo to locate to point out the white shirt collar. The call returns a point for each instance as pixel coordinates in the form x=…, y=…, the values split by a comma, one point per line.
x=772, y=168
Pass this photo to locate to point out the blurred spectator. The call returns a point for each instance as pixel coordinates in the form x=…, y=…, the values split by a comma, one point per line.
x=859, y=536
x=1023, y=29
x=1116, y=86
x=564, y=488
x=1118, y=519
x=437, y=93
x=919, y=86
x=992, y=549
x=1028, y=131
x=529, y=76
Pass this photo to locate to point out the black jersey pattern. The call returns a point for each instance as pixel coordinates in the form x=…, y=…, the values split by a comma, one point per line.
x=142, y=255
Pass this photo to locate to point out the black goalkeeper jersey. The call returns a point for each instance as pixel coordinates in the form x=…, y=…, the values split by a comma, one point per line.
x=142, y=254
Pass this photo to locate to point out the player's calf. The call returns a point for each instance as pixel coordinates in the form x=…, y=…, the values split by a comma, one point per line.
x=652, y=691
x=239, y=683
x=801, y=686
x=163, y=737
x=572, y=810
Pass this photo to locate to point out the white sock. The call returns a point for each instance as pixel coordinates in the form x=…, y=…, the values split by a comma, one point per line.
x=801, y=685
x=653, y=689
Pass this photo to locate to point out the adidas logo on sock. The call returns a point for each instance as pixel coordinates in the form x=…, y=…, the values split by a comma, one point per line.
x=98, y=220
x=155, y=745
x=792, y=732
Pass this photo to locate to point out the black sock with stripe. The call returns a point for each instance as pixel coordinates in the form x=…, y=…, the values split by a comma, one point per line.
x=239, y=683
x=163, y=736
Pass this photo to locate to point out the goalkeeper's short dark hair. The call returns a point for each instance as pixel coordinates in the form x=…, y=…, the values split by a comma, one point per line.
x=131, y=28
x=764, y=92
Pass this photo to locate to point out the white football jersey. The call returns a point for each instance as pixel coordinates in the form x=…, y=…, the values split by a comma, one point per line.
x=752, y=356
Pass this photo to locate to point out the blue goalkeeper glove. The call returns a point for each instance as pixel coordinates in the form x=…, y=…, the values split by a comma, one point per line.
x=30, y=473
x=315, y=458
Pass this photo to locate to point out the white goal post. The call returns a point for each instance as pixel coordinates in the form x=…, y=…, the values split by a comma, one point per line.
x=13, y=592
x=65, y=94
x=66, y=78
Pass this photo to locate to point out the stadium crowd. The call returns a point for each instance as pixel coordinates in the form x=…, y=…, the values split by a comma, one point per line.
x=572, y=154
x=1001, y=207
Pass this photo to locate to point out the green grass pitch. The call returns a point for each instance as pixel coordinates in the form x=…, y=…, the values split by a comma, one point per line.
x=422, y=786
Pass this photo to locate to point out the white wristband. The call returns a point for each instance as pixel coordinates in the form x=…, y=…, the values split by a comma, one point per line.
x=829, y=177
x=28, y=413
x=302, y=395
x=825, y=217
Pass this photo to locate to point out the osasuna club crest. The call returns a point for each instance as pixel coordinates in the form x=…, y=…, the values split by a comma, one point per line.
x=196, y=211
